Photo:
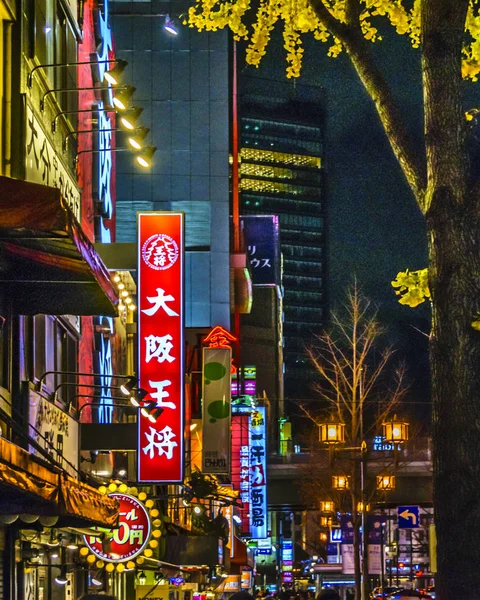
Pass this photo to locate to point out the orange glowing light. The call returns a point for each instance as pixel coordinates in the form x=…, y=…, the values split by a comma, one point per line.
x=219, y=338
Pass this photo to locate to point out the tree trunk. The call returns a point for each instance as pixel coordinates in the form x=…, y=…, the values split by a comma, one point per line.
x=454, y=238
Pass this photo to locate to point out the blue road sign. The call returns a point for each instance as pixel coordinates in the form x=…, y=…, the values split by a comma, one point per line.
x=408, y=517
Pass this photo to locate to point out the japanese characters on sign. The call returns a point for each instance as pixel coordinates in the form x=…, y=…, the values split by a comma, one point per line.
x=55, y=431
x=287, y=561
x=216, y=382
x=262, y=239
x=381, y=445
x=258, y=474
x=131, y=536
x=160, y=338
x=241, y=466
x=45, y=167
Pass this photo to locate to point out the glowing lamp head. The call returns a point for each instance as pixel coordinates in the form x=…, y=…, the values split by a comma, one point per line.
x=130, y=117
x=122, y=96
x=145, y=158
x=327, y=506
x=170, y=26
x=113, y=76
x=136, y=140
x=127, y=387
x=341, y=482
x=134, y=143
x=62, y=579
x=395, y=431
x=332, y=433
x=385, y=483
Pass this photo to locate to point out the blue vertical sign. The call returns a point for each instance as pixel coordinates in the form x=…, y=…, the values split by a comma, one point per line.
x=262, y=241
x=258, y=473
x=346, y=526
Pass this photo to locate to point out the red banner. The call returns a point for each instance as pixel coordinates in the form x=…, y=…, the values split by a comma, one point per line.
x=160, y=338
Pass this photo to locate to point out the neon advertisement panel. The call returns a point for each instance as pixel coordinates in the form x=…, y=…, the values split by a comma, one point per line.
x=160, y=452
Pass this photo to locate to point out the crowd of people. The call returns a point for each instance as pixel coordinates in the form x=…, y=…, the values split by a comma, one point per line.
x=325, y=594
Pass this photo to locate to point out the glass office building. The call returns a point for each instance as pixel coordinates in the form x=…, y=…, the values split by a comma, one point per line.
x=281, y=139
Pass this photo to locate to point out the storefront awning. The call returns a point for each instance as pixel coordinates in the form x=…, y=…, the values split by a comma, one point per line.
x=27, y=486
x=46, y=260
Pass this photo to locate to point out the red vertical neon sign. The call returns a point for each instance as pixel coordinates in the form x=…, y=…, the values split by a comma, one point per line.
x=160, y=338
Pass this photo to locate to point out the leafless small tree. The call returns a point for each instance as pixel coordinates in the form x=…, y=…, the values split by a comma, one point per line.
x=358, y=388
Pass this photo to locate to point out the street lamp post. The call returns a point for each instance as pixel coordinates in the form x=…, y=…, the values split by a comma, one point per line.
x=332, y=434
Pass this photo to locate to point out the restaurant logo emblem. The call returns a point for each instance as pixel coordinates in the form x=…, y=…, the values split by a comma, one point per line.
x=160, y=252
x=131, y=536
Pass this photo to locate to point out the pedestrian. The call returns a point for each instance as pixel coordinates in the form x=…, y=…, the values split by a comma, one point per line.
x=328, y=594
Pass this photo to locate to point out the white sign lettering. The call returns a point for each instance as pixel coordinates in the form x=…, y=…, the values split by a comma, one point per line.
x=160, y=441
x=160, y=394
x=158, y=347
x=160, y=301
x=44, y=166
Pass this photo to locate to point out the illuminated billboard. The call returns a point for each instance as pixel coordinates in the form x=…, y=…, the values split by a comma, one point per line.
x=160, y=452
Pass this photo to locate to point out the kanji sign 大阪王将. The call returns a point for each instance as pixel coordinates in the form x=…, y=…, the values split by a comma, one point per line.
x=160, y=338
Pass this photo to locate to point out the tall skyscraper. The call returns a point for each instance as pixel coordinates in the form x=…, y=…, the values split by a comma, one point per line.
x=281, y=140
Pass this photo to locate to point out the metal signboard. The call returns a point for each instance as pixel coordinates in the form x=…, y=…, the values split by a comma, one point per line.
x=241, y=467
x=262, y=240
x=129, y=538
x=258, y=473
x=408, y=517
x=216, y=383
x=160, y=453
x=55, y=431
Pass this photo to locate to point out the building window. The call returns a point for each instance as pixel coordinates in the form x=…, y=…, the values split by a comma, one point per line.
x=65, y=49
x=51, y=40
x=43, y=31
x=55, y=348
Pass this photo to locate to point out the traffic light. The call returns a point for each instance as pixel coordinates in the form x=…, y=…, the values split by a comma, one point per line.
x=401, y=565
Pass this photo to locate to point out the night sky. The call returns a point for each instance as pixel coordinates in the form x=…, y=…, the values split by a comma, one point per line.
x=374, y=226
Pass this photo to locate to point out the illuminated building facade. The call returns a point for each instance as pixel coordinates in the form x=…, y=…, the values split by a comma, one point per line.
x=281, y=140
